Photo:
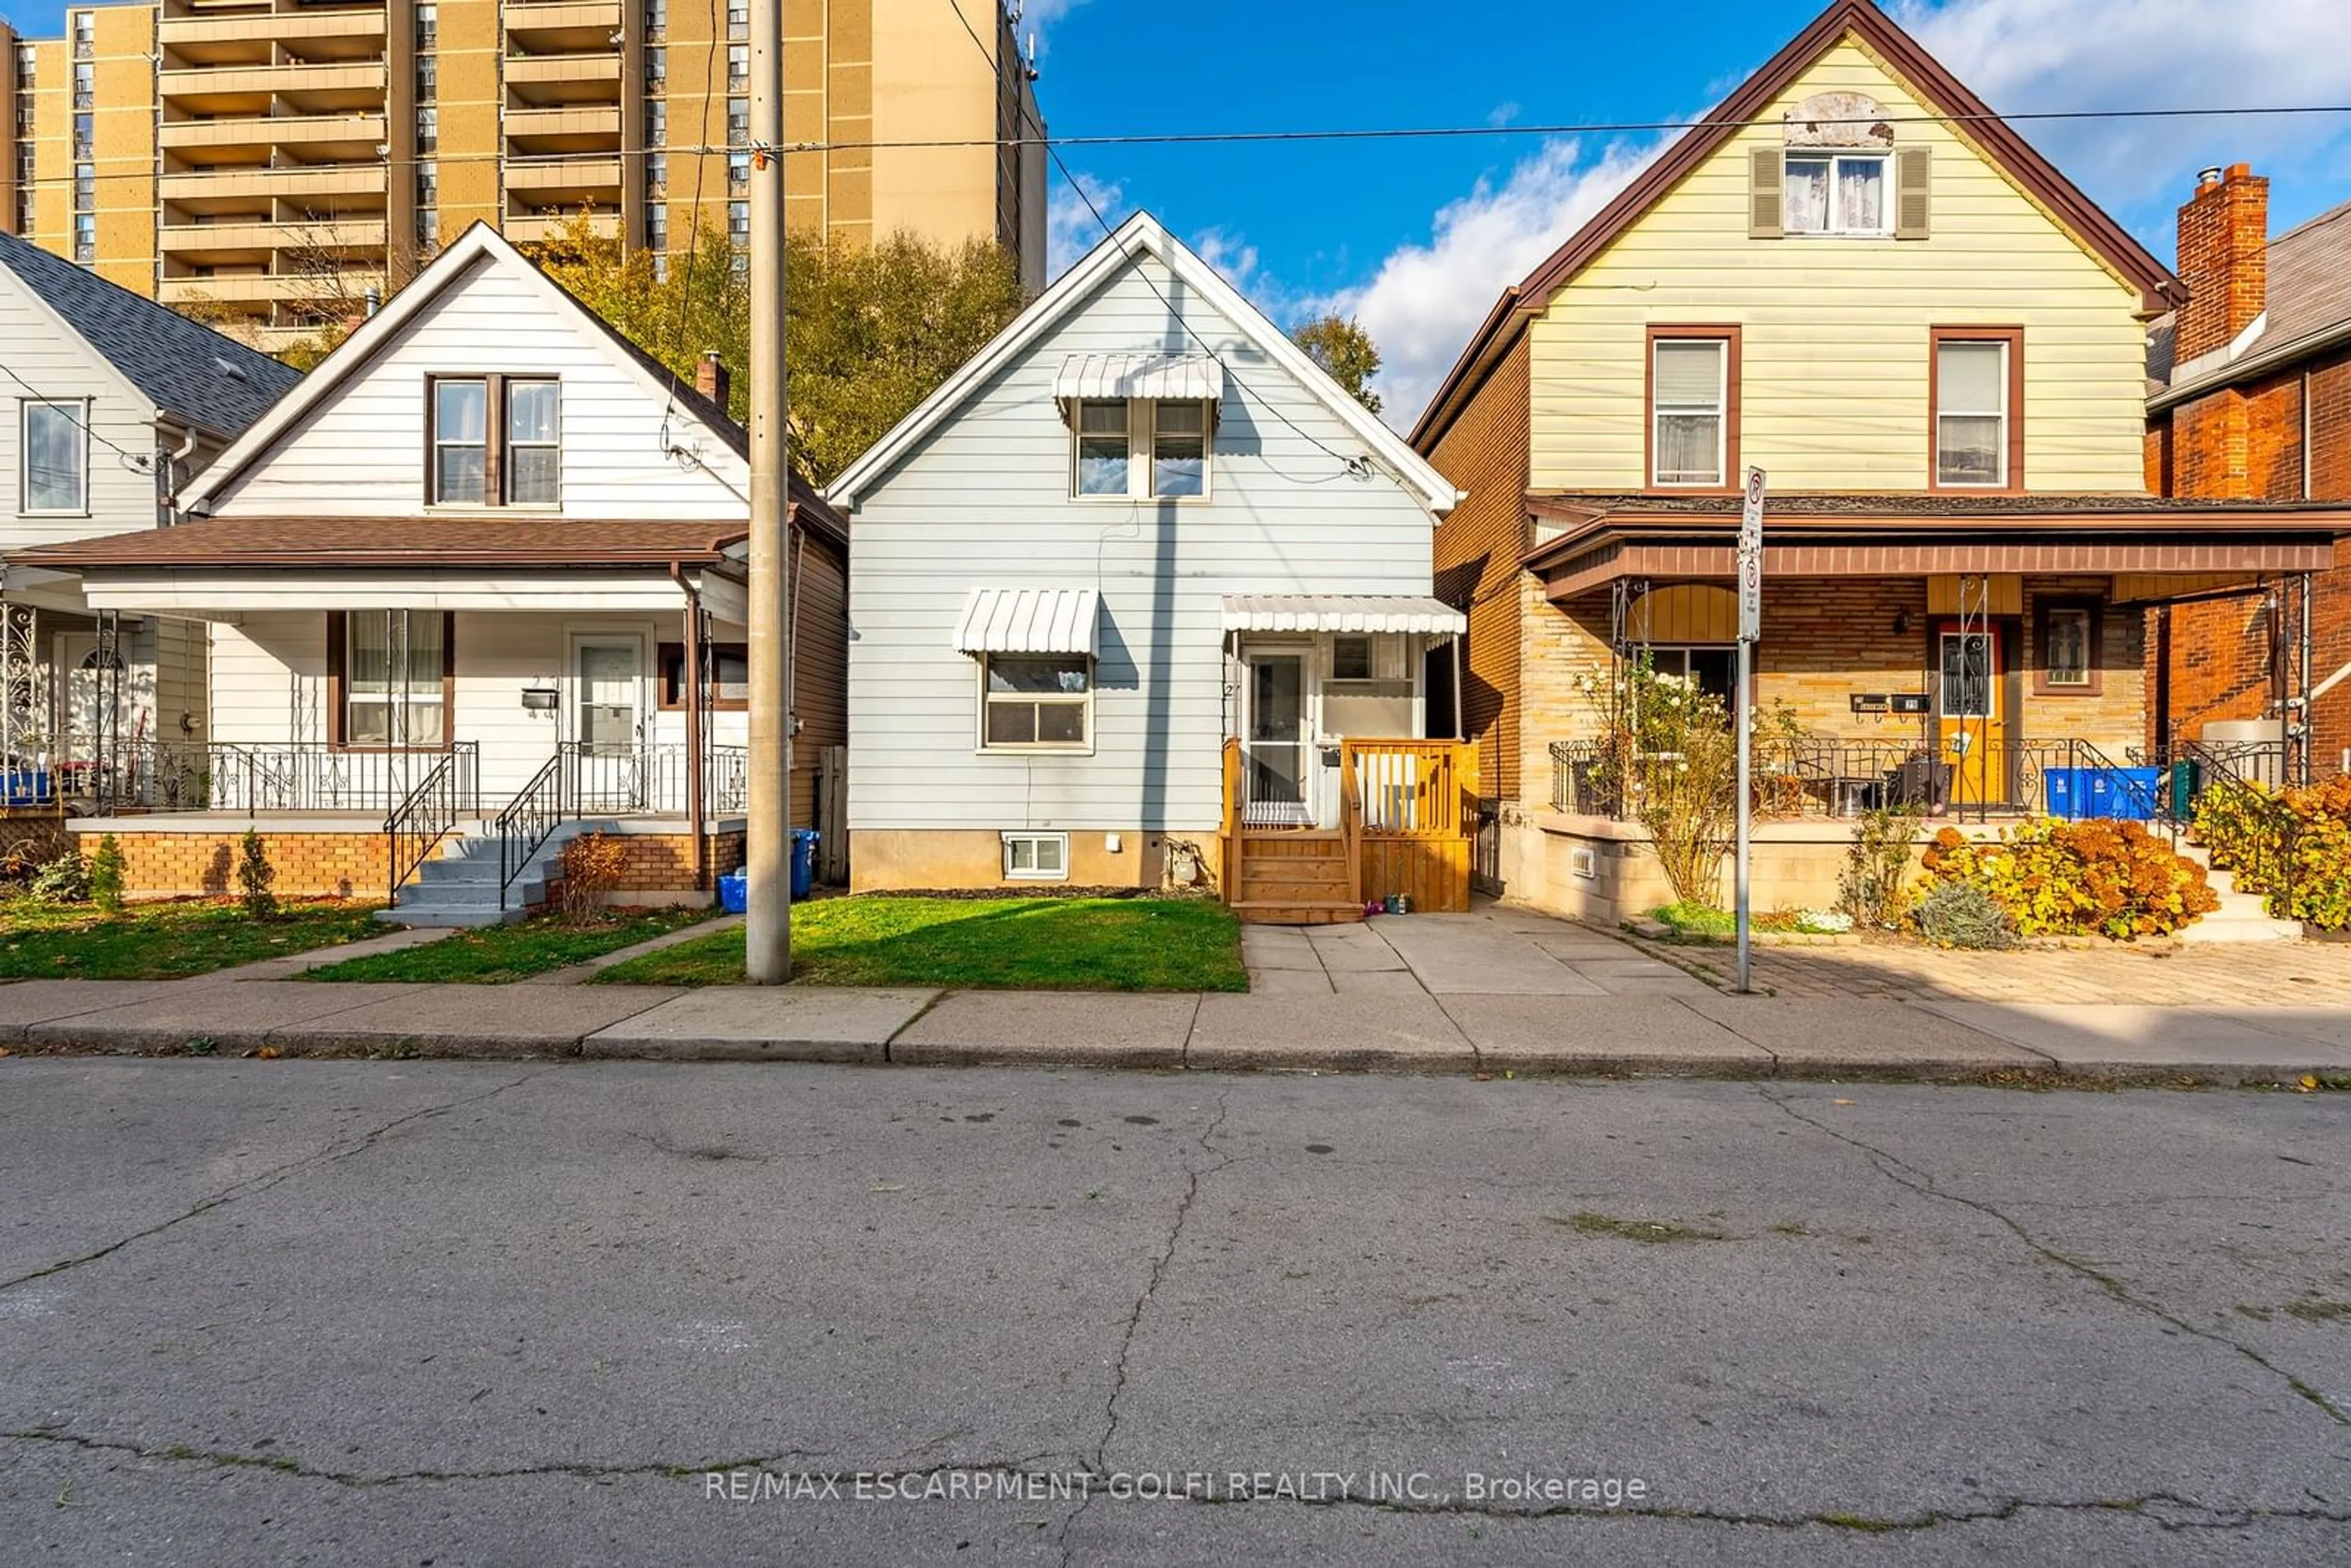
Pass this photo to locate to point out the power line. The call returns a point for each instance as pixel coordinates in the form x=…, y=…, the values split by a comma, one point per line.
x=1352, y=464
x=1216, y=138
x=143, y=462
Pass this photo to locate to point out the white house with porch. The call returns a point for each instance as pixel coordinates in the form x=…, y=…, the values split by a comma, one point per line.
x=476, y=584
x=111, y=403
x=1141, y=598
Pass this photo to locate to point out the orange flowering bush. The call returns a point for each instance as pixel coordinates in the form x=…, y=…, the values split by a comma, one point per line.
x=2293, y=846
x=2062, y=878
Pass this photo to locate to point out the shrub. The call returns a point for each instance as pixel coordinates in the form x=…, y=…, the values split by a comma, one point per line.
x=2293, y=847
x=65, y=880
x=592, y=864
x=106, y=875
x=254, y=875
x=1965, y=914
x=1669, y=754
x=1875, y=886
x=2114, y=878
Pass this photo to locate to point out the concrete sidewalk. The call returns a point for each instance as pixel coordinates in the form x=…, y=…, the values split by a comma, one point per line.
x=1394, y=1030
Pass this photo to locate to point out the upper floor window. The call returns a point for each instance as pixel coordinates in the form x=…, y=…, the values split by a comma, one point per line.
x=85, y=87
x=1975, y=419
x=1835, y=193
x=496, y=440
x=85, y=236
x=57, y=457
x=428, y=130
x=1693, y=376
x=657, y=66
x=656, y=123
x=738, y=122
x=1142, y=448
x=738, y=64
x=85, y=134
x=428, y=27
x=85, y=186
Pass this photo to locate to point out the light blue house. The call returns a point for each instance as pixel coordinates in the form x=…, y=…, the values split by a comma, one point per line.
x=1140, y=525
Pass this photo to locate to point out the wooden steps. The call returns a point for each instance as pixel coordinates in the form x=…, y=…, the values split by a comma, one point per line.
x=1269, y=913
x=1296, y=877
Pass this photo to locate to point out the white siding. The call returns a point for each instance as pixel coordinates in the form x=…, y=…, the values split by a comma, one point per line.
x=63, y=367
x=984, y=501
x=362, y=452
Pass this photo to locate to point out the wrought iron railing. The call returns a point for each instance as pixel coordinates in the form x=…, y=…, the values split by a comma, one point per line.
x=1828, y=777
x=231, y=776
x=429, y=813
x=538, y=808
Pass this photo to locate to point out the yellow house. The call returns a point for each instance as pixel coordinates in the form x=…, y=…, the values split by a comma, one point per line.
x=1855, y=278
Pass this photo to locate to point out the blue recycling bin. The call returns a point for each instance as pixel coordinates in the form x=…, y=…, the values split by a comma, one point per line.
x=2130, y=794
x=732, y=892
x=2066, y=793
x=803, y=862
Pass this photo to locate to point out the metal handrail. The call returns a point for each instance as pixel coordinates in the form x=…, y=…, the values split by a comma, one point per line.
x=538, y=808
x=429, y=813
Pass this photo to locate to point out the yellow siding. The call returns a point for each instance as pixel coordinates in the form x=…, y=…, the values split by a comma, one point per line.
x=1835, y=329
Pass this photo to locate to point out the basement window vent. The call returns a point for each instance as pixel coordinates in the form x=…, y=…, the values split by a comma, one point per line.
x=1583, y=862
x=1037, y=857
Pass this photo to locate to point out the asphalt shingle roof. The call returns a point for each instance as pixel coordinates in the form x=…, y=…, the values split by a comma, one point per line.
x=190, y=371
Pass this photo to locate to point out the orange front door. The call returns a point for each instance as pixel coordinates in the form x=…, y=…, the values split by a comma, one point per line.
x=1974, y=722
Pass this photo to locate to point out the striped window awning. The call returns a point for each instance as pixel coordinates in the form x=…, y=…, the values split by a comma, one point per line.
x=1028, y=621
x=1341, y=613
x=1173, y=377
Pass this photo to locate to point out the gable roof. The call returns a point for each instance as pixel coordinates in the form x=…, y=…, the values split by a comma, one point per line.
x=190, y=372
x=1142, y=234
x=1991, y=135
x=480, y=243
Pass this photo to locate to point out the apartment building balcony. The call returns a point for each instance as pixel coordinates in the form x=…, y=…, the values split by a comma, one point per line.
x=234, y=242
x=595, y=129
x=262, y=289
x=231, y=190
x=523, y=228
x=538, y=81
x=233, y=36
x=248, y=90
x=249, y=138
x=562, y=24
x=569, y=180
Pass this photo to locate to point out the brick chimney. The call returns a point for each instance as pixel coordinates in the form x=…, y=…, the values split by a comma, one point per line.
x=710, y=377
x=2224, y=259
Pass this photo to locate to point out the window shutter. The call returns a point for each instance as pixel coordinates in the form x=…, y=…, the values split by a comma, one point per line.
x=1914, y=175
x=1764, y=169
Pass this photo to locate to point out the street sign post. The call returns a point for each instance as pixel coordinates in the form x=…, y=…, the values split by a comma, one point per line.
x=1751, y=628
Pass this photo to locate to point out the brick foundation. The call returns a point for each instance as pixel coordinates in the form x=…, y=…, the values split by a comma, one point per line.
x=309, y=864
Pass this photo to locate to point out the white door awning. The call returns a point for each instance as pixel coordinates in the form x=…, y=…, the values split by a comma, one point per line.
x=1341, y=613
x=1028, y=621
x=1198, y=378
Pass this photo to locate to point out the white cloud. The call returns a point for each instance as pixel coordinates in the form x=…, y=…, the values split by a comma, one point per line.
x=1425, y=299
x=1035, y=15
x=1071, y=228
x=2022, y=56
x=1229, y=255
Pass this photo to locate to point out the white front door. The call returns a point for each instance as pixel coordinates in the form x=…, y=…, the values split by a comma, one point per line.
x=1275, y=745
x=609, y=676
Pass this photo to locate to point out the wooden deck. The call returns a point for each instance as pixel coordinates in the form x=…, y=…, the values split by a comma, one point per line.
x=1407, y=817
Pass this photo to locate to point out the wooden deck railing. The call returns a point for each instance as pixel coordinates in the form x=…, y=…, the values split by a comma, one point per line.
x=1231, y=833
x=1412, y=789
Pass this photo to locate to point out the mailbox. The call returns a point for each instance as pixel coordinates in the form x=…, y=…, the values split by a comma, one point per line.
x=540, y=699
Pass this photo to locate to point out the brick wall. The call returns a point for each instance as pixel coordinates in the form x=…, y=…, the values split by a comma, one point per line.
x=2248, y=442
x=1483, y=451
x=663, y=862
x=309, y=865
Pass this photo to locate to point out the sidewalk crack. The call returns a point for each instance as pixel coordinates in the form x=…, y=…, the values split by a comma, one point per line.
x=1903, y=1174
x=264, y=1180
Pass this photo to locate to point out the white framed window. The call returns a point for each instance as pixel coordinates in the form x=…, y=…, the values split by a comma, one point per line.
x=1103, y=461
x=393, y=667
x=1351, y=658
x=1972, y=412
x=1689, y=392
x=533, y=468
x=1179, y=449
x=1031, y=701
x=55, y=438
x=460, y=443
x=1037, y=857
x=1140, y=448
x=1836, y=194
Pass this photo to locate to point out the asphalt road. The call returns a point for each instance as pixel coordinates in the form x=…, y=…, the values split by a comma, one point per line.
x=440, y=1313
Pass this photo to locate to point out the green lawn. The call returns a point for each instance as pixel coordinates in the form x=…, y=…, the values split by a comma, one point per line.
x=1043, y=943
x=165, y=941
x=495, y=954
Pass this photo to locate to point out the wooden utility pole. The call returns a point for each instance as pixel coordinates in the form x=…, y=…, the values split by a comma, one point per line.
x=767, y=838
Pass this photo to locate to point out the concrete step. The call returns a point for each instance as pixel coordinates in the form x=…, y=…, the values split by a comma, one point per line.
x=454, y=918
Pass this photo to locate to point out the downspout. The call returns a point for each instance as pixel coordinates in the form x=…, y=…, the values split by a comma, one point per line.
x=171, y=464
x=696, y=825
x=792, y=658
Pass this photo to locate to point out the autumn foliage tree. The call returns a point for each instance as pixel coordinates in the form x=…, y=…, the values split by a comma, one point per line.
x=1345, y=352
x=870, y=330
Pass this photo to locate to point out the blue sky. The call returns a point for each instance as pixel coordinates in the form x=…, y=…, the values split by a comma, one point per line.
x=1416, y=237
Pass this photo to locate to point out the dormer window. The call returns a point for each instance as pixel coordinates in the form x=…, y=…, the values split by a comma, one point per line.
x=495, y=441
x=1140, y=448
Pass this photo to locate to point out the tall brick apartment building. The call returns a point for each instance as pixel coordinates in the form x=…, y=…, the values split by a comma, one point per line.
x=2249, y=398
